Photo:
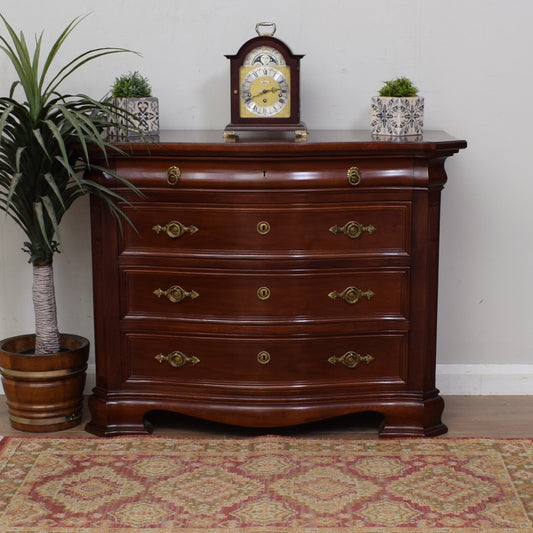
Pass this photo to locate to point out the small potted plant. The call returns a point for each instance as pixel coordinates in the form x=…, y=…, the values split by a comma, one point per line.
x=48, y=143
x=398, y=110
x=133, y=93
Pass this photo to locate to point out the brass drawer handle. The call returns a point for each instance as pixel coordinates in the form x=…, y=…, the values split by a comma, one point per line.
x=177, y=359
x=173, y=175
x=263, y=293
x=263, y=357
x=350, y=359
x=176, y=294
x=351, y=295
x=175, y=229
x=352, y=229
x=263, y=227
x=354, y=176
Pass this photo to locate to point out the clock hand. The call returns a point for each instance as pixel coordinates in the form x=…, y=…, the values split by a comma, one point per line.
x=264, y=91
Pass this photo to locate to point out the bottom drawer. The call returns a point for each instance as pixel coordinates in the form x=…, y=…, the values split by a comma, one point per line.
x=188, y=358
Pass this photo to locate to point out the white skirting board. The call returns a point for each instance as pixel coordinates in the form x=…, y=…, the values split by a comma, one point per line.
x=484, y=380
x=452, y=380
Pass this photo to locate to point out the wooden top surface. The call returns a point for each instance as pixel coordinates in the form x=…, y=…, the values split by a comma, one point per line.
x=323, y=142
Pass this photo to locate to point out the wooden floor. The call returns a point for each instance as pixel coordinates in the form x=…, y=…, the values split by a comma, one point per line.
x=465, y=416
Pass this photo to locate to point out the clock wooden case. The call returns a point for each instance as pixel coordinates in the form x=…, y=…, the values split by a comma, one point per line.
x=265, y=86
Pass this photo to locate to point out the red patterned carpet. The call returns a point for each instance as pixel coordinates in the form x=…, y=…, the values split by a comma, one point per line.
x=266, y=485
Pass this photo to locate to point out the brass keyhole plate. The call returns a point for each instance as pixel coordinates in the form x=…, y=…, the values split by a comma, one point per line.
x=263, y=293
x=263, y=357
x=263, y=227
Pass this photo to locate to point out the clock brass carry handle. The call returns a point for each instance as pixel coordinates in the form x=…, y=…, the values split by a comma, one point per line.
x=351, y=295
x=177, y=359
x=259, y=28
x=175, y=229
x=352, y=229
x=173, y=175
x=354, y=176
x=176, y=294
x=350, y=359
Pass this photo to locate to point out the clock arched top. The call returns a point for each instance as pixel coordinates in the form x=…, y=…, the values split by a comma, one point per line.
x=268, y=42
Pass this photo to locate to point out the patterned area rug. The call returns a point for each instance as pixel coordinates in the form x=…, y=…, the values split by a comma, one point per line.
x=266, y=485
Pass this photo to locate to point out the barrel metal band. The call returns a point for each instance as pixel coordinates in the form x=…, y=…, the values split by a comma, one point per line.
x=45, y=421
x=47, y=374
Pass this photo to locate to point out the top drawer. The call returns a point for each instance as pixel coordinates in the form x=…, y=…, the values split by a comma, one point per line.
x=250, y=173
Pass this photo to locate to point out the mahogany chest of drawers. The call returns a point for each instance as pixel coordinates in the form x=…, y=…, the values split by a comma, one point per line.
x=270, y=282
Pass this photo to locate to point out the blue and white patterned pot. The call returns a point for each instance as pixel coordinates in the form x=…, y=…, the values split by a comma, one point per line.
x=397, y=116
x=145, y=109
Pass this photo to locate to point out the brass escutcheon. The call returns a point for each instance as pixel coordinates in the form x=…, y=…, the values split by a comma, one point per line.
x=175, y=229
x=177, y=359
x=351, y=295
x=263, y=293
x=176, y=294
x=352, y=229
x=263, y=357
x=350, y=359
x=263, y=227
x=173, y=175
x=354, y=176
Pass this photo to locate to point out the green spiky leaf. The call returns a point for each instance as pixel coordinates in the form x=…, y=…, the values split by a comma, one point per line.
x=49, y=140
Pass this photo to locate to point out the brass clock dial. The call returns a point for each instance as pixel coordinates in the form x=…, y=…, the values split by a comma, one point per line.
x=264, y=92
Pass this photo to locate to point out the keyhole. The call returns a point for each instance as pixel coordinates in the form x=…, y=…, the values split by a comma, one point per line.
x=263, y=293
x=263, y=227
x=263, y=357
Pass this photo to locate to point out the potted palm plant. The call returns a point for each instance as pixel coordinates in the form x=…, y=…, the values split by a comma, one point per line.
x=398, y=110
x=48, y=141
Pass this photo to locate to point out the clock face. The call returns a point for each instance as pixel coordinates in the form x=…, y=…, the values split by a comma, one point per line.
x=264, y=90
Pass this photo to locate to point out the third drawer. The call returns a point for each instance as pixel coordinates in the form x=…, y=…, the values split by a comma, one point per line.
x=263, y=296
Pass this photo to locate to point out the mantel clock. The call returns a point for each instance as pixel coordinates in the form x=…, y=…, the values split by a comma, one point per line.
x=265, y=86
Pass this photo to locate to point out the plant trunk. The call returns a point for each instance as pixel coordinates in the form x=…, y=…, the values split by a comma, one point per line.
x=44, y=305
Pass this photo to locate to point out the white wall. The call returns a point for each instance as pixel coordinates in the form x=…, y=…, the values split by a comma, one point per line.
x=470, y=58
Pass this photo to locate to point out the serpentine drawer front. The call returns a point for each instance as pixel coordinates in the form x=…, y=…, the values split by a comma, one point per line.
x=213, y=361
x=181, y=229
x=234, y=295
x=270, y=282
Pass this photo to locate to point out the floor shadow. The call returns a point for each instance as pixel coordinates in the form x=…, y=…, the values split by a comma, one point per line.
x=166, y=423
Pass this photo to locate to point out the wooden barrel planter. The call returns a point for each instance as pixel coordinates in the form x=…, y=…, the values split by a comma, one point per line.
x=44, y=392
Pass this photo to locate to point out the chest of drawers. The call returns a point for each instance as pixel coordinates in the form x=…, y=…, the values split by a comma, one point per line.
x=270, y=282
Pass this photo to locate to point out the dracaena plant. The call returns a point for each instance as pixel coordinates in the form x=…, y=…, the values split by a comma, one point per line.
x=48, y=143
